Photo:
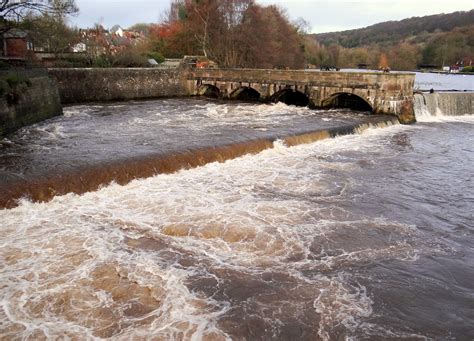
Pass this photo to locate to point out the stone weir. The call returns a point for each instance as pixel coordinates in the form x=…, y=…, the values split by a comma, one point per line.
x=43, y=183
x=444, y=104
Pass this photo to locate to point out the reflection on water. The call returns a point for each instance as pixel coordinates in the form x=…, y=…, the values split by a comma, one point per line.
x=360, y=236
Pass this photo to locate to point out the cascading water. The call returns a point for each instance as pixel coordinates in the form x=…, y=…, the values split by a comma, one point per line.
x=443, y=104
x=363, y=236
x=94, y=145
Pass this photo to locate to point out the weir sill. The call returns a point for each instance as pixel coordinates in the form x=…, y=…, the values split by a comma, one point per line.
x=122, y=172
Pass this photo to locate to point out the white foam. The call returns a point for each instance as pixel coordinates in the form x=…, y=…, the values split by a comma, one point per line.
x=440, y=118
x=65, y=259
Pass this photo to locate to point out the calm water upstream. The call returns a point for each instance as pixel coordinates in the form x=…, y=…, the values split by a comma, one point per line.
x=366, y=236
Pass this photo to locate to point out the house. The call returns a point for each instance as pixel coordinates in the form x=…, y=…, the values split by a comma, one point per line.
x=15, y=44
x=117, y=30
x=464, y=62
x=96, y=41
x=79, y=48
x=99, y=41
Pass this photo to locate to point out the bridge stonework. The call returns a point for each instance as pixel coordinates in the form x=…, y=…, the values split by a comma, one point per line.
x=386, y=93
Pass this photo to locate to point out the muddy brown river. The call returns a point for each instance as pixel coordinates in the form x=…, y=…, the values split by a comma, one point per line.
x=366, y=236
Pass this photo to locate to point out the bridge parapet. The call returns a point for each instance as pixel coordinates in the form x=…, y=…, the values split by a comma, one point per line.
x=385, y=93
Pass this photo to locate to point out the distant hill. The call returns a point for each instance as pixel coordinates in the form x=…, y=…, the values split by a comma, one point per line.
x=395, y=31
x=442, y=39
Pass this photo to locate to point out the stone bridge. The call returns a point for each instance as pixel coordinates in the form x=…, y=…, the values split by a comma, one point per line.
x=380, y=93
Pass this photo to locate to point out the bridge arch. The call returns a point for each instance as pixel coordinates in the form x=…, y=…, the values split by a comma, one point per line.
x=290, y=97
x=245, y=93
x=209, y=90
x=346, y=100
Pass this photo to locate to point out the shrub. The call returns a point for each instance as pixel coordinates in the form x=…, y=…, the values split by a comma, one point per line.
x=73, y=61
x=156, y=56
x=130, y=58
x=101, y=62
x=12, y=86
x=15, y=80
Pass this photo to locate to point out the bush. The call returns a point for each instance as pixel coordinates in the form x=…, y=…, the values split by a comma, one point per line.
x=130, y=58
x=15, y=80
x=73, y=61
x=101, y=62
x=468, y=69
x=156, y=56
x=12, y=86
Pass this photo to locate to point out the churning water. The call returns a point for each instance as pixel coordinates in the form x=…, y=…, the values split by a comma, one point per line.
x=95, y=144
x=366, y=236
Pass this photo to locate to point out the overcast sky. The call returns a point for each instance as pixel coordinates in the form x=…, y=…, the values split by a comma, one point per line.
x=323, y=15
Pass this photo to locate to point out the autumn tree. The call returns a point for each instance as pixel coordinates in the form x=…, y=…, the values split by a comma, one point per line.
x=444, y=39
x=142, y=28
x=404, y=57
x=383, y=62
x=450, y=47
x=359, y=56
x=285, y=47
x=334, y=51
x=172, y=40
x=234, y=33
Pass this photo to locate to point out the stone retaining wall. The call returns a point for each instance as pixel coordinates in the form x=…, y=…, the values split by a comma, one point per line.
x=99, y=85
x=31, y=102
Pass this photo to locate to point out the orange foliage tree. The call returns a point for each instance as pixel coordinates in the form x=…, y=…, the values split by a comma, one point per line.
x=238, y=33
x=383, y=63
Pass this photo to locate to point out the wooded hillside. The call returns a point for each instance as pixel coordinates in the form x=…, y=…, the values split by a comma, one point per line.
x=443, y=39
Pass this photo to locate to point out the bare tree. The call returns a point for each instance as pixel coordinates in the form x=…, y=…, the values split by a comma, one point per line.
x=233, y=33
x=13, y=11
x=50, y=33
x=216, y=25
x=302, y=26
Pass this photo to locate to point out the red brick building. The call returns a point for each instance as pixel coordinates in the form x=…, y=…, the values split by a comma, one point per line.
x=15, y=44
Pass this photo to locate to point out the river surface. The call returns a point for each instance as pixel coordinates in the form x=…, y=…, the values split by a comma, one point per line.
x=365, y=236
x=425, y=81
x=96, y=134
x=92, y=145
